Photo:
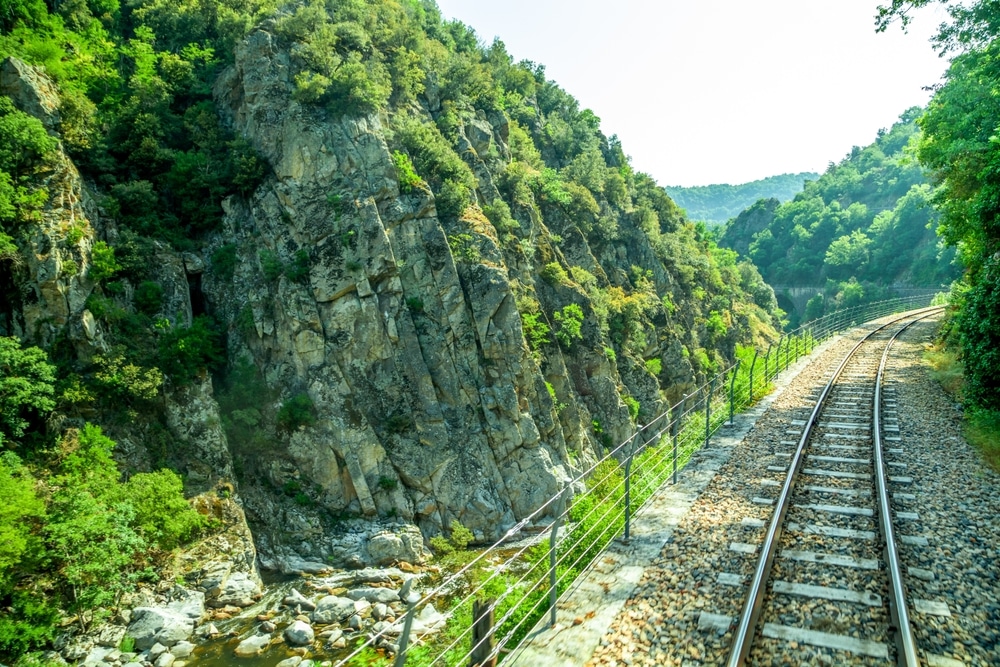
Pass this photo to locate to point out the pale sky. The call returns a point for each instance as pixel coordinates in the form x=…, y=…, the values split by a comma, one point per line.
x=722, y=91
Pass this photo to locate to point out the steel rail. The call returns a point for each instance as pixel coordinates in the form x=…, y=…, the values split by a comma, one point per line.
x=743, y=637
x=906, y=644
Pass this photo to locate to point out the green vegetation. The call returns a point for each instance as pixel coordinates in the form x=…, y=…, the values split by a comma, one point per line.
x=718, y=203
x=570, y=320
x=138, y=118
x=959, y=146
x=25, y=147
x=458, y=540
x=296, y=412
x=26, y=389
x=866, y=219
x=407, y=175
x=982, y=425
x=67, y=515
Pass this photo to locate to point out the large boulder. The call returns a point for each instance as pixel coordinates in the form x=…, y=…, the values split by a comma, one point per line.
x=31, y=90
x=151, y=625
x=385, y=595
x=299, y=633
x=169, y=624
x=388, y=548
x=238, y=589
x=333, y=609
x=252, y=646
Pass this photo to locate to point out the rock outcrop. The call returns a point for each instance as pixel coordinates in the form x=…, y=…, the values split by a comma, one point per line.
x=428, y=405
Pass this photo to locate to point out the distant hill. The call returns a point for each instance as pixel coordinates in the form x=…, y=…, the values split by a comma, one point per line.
x=719, y=203
x=864, y=226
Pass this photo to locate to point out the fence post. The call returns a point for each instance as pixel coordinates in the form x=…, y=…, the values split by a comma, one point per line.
x=552, y=556
x=410, y=600
x=767, y=357
x=674, y=427
x=628, y=497
x=788, y=350
x=482, y=634
x=732, y=387
x=752, y=364
x=708, y=409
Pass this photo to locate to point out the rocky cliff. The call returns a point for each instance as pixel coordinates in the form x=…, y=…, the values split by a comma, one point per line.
x=391, y=362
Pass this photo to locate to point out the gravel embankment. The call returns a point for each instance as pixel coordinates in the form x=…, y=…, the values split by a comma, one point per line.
x=957, y=498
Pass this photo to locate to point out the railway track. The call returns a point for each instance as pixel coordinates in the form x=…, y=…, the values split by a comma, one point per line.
x=827, y=573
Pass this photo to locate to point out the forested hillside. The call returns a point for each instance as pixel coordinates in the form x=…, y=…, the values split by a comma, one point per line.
x=718, y=203
x=960, y=149
x=339, y=266
x=867, y=222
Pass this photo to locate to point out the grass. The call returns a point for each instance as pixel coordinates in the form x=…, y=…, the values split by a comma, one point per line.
x=981, y=426
x=982, y=430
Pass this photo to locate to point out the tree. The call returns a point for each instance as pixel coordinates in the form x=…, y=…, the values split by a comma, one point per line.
x=24, y=143
x=18, y=512
x=26, y=387
x=972, y=25
x=570, y=319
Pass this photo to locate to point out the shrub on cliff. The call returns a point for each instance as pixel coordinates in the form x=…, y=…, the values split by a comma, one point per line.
x=26, y=388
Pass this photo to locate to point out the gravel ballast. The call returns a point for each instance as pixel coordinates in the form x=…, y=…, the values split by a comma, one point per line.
x=955, y=498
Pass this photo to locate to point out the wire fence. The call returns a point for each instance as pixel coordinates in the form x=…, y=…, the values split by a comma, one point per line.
x=480, y=613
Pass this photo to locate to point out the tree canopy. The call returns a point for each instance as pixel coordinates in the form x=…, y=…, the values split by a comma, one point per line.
x=868, y=217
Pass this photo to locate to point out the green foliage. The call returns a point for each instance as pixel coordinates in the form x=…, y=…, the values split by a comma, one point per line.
x=866, y=218
x=90, y=533
x=458, y=540
x=405, y=173
x=415, y=304
x=654, y=366
x=559, y=406
x=149, y=297
x=387, y=483
x=241, y=397
x=441, y=545
x=715, y=325
x=161, y=514
x=29, y=623
x=124, y=379
x=960, y=148
x=554, y=274
x=460, y=535
x=24, y=143
x=979, y=323
x=296, y=412
x=102, y=262
x=536, y=331
x=224, y=259
x=185, y=353
x=298, y=269
x=19, y=512
x=271, y=265
x=633, y=407
x=26, y=388
x=570, y=321
x=463, y=248
x=449, y=177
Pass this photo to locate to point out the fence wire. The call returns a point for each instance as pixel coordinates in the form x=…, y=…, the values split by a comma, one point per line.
x=518, y=585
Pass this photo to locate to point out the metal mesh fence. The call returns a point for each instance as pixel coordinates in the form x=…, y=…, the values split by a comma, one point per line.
x=499, y=594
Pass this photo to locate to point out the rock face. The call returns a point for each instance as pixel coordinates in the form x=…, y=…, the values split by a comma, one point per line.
x=393, y=389
x=45, y=292
x=427, y=404
x=401, y=331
